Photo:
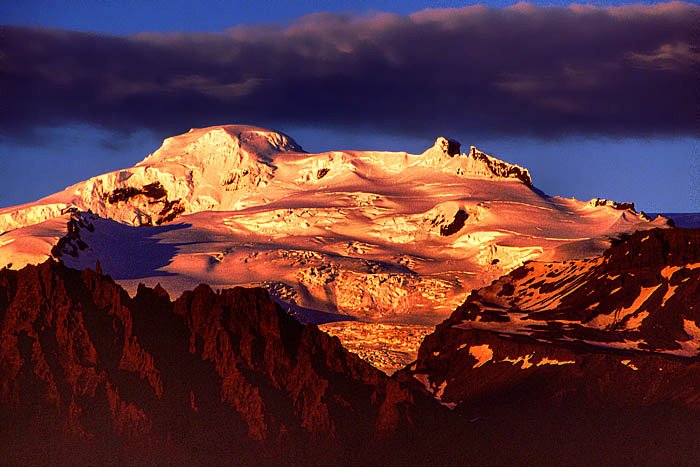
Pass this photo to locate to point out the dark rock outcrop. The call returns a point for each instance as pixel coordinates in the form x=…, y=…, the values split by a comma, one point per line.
x=150, y=194
x=453, y=147
x=153, y=191
x=620, y=206
x=456, y=225
x=71, y=243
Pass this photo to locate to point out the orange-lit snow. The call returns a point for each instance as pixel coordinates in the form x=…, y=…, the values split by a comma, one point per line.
x=368, y=234
x=482, y=353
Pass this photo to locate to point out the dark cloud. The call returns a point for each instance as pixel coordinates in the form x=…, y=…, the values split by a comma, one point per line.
x=522, y=70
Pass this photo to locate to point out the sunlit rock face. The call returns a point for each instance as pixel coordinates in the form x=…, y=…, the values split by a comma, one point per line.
x=90, y=374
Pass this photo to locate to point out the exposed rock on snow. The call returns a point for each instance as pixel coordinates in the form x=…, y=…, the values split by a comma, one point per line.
x=595, y=202
x=500, y=168
x=643, y=294
x=447, y=146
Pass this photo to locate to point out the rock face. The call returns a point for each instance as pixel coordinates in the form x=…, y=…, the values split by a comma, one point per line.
x=448, y=146
x=643, y=294
x=89, y=374
x=580, y=345
x=621, y=330
x=500, y=168
x=622, y=206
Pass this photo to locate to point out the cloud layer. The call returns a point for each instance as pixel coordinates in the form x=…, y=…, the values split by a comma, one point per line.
x=520, y=71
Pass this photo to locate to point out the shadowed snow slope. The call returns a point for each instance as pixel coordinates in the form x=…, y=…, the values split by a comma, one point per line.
x=378, y=236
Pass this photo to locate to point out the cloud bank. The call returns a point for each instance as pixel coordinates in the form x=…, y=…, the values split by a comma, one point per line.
x=519, y=71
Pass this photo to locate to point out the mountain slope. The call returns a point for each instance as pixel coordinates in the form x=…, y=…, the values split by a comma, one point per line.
x=643, y=294
x=620, y=330
x=578, y=363
x=89, y=374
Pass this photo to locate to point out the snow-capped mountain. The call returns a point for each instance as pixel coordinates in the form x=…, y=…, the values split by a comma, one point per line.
x=204, y=169
x=371, y=235
x=582, y=327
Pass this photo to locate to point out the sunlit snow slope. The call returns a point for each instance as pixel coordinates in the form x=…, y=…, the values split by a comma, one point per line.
x=379, y=236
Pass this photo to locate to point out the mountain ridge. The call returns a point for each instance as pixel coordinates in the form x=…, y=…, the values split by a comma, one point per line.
x=170, y=176
x=90, y=374
x=211, y=375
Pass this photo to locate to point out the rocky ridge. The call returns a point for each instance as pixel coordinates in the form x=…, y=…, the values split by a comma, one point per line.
x=211, y=377
x=620, y=330
x=88, y=374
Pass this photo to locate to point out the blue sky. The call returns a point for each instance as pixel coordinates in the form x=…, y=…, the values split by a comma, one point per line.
x=641, y=160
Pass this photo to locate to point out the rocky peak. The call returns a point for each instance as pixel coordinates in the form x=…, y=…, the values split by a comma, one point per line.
x=448, y=146
x=500, y=168
x=621, y=206
x=443, y=149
